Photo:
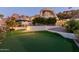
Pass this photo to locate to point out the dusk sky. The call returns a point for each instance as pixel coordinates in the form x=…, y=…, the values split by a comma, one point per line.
x=29, y=11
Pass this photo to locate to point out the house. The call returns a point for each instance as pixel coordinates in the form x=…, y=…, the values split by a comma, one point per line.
x=48, y=12
x=27, y=20
x=22, y=19
x=76, y=17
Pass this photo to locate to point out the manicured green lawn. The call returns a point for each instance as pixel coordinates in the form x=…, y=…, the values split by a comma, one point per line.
x=41, y=41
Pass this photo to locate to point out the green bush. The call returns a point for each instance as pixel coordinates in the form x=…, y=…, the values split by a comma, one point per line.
x=51, y=21
x=44, y=21
x=72, y=25
x=38, y=21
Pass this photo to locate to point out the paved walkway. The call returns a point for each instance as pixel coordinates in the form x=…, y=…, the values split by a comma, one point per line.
x=60, y=29
x=64, y=34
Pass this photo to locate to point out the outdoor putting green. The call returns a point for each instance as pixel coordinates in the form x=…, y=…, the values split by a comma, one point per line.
x=41, y=41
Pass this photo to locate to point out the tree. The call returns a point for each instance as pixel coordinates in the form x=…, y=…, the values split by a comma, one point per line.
x=44, y=21
x=68, y=14
x=51, y=21
x=38, y=21
x=1, y=15
x=11, y=23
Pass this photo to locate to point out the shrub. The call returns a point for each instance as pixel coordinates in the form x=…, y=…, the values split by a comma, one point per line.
x=44, y=21
x=51, y=21
x=72, y=25
x=38, y=21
